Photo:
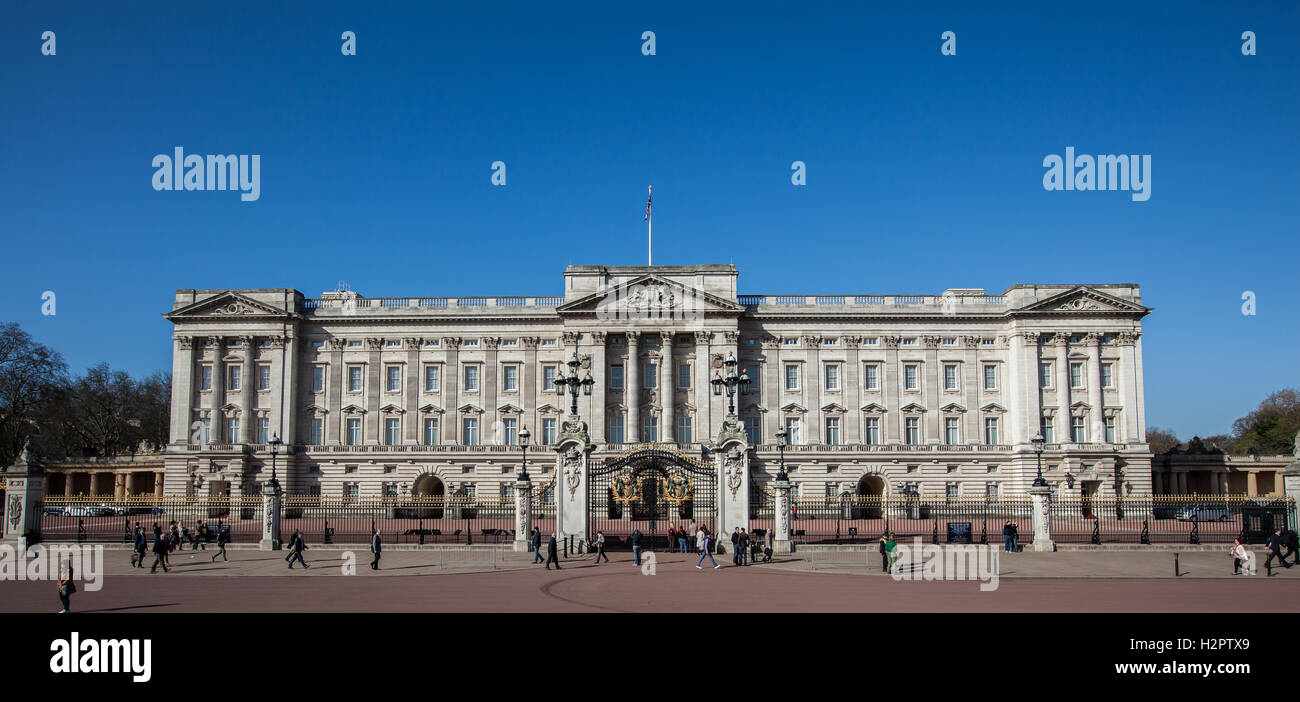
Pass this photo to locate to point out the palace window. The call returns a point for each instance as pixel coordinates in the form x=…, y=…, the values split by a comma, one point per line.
x=392, y=432
x=471, y=378
x=615, y=378
x=684, y=375
x=615, y=430
x=1076, y=375
x=394, y=378
x=233, y=374
x=909, y=376
x=991, y=431
x=751, y=430
x=354, y=432
x=469, y=431
x=510, y=428
x=1108, y=375
x=264, y=376
x=832, y=377
x=510, y=378
x=354, y=378
x=1044, y=375
x=1047, y=430
x=792, y=431
x=1077, y=433
x=432, y=378
x=791, y=376
x=548, y=379
x=317, y=433
x=951, y=431
x=232, y=430
x=1110, y=430
x=949, y=376
x=912, y=430
x=548, y=431
x=650, y=374
x=871, y=376
x=755, y=383
x=318, y=379
x=263, y=430
x=684, y=430
x=990, y=376
x=872, y=433
x=650, y=429
x=430, y=431
x=832, y=431
x=205, y=378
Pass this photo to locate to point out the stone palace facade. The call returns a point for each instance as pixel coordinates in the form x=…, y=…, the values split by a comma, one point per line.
x=941, y=393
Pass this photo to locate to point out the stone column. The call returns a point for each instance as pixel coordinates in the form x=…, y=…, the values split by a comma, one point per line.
x=893, y=418
x=1126, y=376
x=1097, y=422
x=182, y=416
x=119, y=486
x=158, y=480
x=852, y=384
x=632, y=390
x=781, y=542
x=732, y=461
x=491, y=421
x=247, y=390
x=528, y=386
x=1252, y=483
x=451, y=386
x=271, y=495
x=600, y=372
x=286, y=399
x=1041, y=499
x=1060, y=344
x=667, y=388
x=571, y=468
x=1033, y=416
x=217, y=418
x=971, y=385
x=374, y=379
x=411, y=388
x=25, y=481
x=814, y=378
x=771, y=397
x=523, y=512
x=703, y=389
x=334, y=393
x=932, y=391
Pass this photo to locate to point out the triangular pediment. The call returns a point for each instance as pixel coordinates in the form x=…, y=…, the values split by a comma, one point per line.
x=993, y=407
x=912, y=407
x=353, y=409
x=315, y=410
x=653, y=296
x=873, y=408
x=509, y=409
x=430, y=408
x=833, y=407
x=469, y=409
x=794, y=407
x=391, y=408
x=1081, y=405
x=548, y=409
x=1086, y=300
x=227, y=304
x=952, y=407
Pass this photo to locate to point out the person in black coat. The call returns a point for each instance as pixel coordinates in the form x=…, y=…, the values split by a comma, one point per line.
x=223, y=538
x=1275, y=543
x=376, y=547
x=536, y=542
x=636, y=546
x=141, y=546
x=159, y=551
x=552, y=553
x=1292, y=543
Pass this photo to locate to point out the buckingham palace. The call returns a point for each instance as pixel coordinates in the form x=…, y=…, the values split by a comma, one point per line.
x=933, y=394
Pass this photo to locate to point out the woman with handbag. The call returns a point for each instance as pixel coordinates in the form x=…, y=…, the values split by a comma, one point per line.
x=66, y=588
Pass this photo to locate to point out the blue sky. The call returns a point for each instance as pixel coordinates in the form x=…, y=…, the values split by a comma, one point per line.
x=924, y=171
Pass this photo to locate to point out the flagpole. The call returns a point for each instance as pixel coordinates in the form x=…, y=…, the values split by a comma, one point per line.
x=649, y=229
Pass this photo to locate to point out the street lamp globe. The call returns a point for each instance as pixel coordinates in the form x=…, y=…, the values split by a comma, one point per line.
x=1038, y=441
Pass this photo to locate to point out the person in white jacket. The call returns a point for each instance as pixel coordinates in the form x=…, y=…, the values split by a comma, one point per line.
x=1243, y=561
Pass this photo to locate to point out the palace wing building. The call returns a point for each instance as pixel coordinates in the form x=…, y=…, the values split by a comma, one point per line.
x=877, y=393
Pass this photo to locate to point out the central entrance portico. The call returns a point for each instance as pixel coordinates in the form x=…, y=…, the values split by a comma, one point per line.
x=651, y=488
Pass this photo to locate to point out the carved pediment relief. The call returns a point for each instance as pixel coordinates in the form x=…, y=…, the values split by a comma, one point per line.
x=653, y=296
x=469, y=409
x=794, y=407
x=993, y=407
x=226, y=304
x=912, y=407
x=353, y=409
x=1084, y=299
x=952, y=407
x=430, y=408
x=873, y=408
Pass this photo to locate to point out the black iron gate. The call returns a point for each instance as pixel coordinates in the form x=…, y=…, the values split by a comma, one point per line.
x=652, y=490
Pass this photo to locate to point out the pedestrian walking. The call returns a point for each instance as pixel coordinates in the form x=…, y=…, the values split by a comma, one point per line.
x=884, y=553
x=536, y=542
x=636, y=546
x=140, y=547
x=296, y=547
x=1241, y=556
x=159, y=551
x=706, y=550
x=552, y=553
x=699, y=539
x=1275, y=549
x=200, y=537
x=1292, y=543
x=66, y=588
x=891, y=552
x=223, y=538
x=377, y=548
x=600, y=547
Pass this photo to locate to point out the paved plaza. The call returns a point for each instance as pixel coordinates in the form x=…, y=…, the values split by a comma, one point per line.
x=491, y=580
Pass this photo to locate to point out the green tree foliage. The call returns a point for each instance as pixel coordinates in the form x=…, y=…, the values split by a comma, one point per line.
x=1271, y=428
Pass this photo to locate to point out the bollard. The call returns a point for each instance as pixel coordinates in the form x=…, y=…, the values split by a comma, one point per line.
x=1176, y=574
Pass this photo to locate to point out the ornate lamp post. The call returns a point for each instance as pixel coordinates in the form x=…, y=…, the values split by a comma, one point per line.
x=276, y=443
x=573, y=383
x=731, y=381
x=780, y=448
x=1038, y=442
x=524, y=435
